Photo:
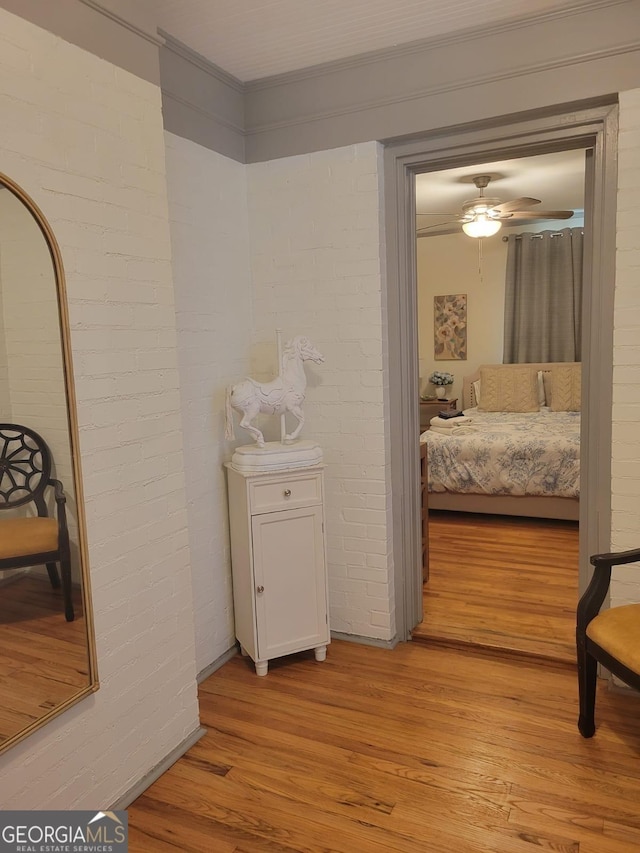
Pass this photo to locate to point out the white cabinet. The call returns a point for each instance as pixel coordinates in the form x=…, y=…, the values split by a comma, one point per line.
x=278, y=562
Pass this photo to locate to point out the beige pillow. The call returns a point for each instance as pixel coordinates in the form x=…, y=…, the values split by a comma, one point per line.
x=565, y=388
x=546, y=379
x=509, y=390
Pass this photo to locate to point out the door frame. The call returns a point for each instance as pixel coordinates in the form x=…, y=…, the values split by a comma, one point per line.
x=592, y=126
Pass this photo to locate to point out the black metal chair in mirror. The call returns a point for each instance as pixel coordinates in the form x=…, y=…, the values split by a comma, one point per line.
x=611, y=638
x=25, y=477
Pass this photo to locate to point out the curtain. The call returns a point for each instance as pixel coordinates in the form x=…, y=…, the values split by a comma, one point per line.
x=543, y=297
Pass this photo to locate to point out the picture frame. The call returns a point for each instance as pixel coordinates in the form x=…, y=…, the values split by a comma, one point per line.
x=450, y=327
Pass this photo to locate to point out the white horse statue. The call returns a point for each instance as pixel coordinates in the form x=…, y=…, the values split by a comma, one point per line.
x=284, y=394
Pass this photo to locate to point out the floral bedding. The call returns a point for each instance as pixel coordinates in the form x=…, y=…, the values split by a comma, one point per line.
x=505, y=453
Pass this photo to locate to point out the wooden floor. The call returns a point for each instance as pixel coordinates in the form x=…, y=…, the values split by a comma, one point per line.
x=416, y=750
x=43, y=658
x=503, y=583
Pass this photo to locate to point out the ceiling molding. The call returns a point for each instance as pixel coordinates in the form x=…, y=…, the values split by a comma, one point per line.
x=446, y=88
x=209, y=114
x=123, y=22
x=422, y=45
x=182, y=50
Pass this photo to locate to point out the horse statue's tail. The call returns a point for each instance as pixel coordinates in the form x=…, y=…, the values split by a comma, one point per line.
x=229, y=433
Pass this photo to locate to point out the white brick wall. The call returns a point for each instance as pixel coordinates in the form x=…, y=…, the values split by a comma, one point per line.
x=317, y=267
x=625, y=459
x=210, y=247
x=85, y=140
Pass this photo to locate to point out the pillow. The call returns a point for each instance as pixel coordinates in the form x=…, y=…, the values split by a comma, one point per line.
x=510, y=390
x=565, y=388
x=476, y=391
x=541, y=394
x=546, y=381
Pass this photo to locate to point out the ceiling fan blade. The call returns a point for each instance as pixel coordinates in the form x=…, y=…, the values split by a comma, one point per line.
x=516, y=204
x=539, y=214
x=443, y=213
x=421, y=232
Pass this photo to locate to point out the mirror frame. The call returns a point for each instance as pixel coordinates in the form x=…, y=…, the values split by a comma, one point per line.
x=72, y=423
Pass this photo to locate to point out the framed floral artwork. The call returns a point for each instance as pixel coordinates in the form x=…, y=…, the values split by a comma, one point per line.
x=450, y=327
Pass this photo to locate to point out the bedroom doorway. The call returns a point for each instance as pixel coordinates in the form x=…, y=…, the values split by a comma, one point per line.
x=592, y=128
x=498, y=577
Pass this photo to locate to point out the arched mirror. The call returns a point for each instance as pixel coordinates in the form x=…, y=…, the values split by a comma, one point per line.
x=47, y=648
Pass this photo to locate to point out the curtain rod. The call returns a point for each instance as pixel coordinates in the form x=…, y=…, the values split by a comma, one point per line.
x=505, y=237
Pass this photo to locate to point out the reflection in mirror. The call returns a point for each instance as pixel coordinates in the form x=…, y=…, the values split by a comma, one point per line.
x=47, y=650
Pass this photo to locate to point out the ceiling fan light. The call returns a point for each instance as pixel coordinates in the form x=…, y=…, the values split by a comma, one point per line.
x=481, y=226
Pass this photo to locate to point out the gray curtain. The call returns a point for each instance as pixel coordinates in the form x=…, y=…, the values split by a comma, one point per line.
x=543, y=297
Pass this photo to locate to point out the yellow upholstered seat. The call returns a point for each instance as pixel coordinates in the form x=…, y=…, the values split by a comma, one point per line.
x=611, y=638
x=20, y=537
x=617, y=631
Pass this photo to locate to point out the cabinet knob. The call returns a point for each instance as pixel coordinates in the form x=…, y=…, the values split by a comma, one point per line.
x=287, y=493
x=259, y=589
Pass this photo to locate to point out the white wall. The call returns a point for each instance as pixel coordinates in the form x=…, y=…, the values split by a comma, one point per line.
x=85, y=140
x=210, y=247
x=451, y=264
x=317, y=261
x=625, y=461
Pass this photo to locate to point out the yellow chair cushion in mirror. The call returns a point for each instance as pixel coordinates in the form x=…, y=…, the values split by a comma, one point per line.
x=20, y=537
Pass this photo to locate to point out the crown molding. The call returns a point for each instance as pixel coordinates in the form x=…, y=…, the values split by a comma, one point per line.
x=447, y=88
x=185, y=52
x=208, y=114
x=425, y=45
x=144, y=34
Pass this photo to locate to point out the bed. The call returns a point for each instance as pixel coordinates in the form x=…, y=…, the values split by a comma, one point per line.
x=519, y=457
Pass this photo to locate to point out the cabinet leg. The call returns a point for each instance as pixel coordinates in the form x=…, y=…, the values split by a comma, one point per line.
x=262, y=667
x=320, y=653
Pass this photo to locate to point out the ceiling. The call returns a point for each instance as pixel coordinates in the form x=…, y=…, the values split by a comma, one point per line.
x=251, y=39
x=556, y=179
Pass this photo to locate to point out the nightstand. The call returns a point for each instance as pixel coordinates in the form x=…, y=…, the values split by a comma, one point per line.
x=430, y=408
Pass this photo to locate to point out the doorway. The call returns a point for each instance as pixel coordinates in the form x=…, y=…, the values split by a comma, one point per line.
x=498, y=581
x=590, y=127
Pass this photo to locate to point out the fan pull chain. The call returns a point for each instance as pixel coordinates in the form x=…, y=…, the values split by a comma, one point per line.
x=480, y=260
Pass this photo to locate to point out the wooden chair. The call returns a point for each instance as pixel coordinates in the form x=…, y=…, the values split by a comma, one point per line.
x=611, y=638
x=25, y=476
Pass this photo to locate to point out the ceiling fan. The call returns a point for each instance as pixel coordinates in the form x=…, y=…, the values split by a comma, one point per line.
x=483, y=217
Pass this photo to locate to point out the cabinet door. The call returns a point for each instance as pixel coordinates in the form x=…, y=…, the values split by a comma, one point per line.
x=290, y=580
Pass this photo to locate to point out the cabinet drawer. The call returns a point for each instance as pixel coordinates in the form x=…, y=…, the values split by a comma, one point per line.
x=293, y=492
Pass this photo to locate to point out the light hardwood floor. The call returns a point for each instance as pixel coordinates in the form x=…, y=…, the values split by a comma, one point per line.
x=43, y=658
x=502, y=583
x=415, y=750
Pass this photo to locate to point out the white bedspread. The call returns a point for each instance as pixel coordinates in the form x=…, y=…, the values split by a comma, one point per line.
x=501, y=453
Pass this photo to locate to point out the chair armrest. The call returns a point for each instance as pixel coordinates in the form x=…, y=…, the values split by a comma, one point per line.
x=618, y=558
x=59, y=494
x=591, y=602
x=61, y=500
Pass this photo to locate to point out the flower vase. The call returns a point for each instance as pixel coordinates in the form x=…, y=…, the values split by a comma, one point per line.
x=441, y=392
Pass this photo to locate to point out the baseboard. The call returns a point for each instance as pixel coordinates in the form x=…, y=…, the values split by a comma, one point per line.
x=149, y=778
x=217, y=663
x=365, y=641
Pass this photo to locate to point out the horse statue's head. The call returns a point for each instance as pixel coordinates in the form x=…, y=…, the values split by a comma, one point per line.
x=302, y=347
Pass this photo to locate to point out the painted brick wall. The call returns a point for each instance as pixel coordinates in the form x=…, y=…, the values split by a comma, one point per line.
x=210, y=248
x=317, y=262
x=85, y=140
x=625, y=470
